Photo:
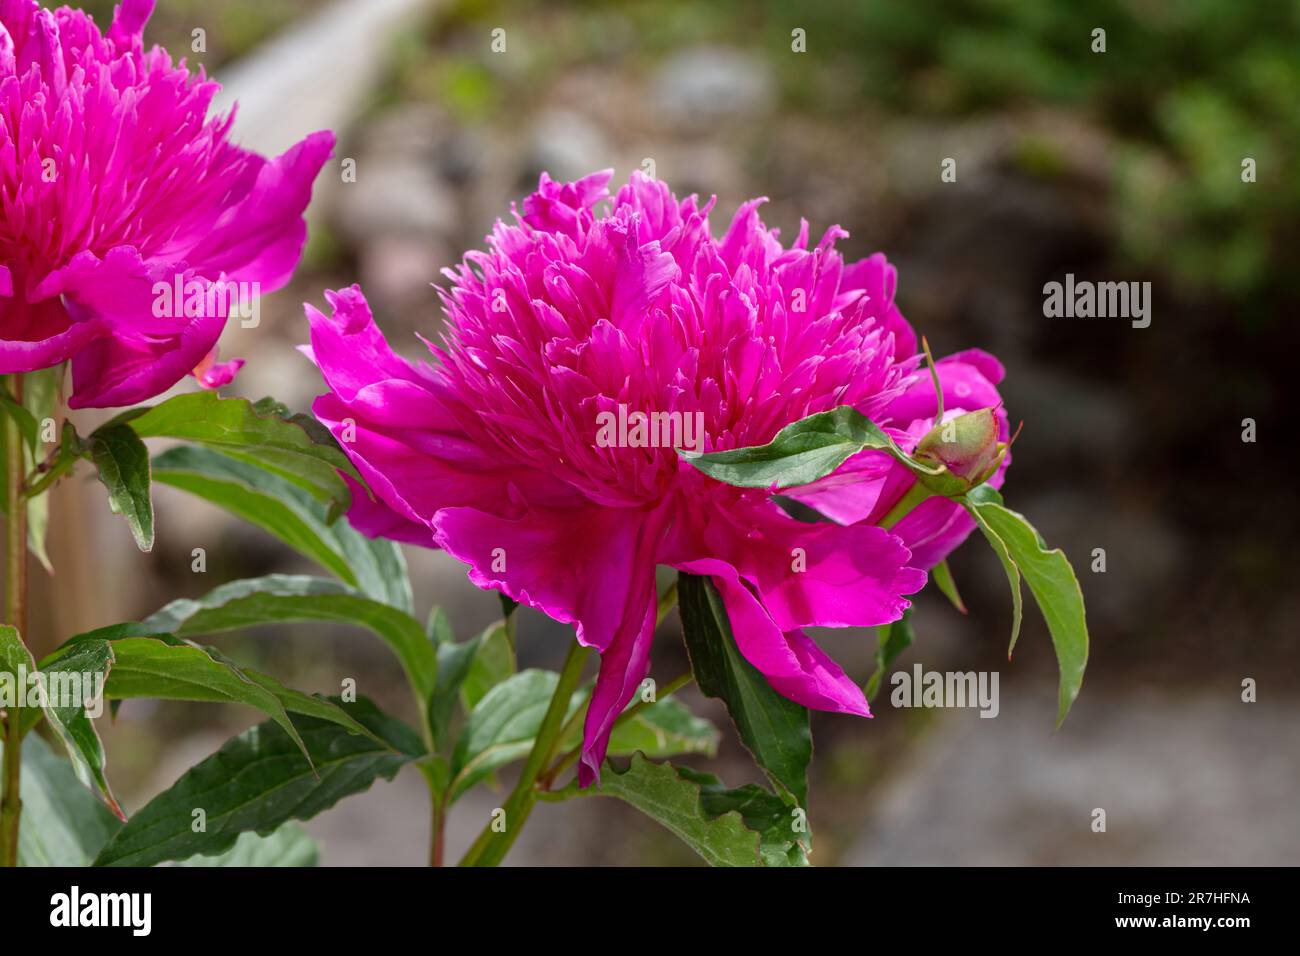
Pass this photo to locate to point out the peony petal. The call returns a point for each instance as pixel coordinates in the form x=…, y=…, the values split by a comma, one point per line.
x=579, y=567
x=852, y=576
x=213, y=374
x=792, y=663
x=111, y=372
x=41, y=335
x=373, y=518
x=260, y=239
x=352, y=353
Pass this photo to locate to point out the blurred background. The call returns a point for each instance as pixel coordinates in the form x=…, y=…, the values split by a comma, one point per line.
x=1123, y=165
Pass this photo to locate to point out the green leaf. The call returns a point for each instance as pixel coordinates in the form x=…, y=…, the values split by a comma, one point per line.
x=21, y=417
x=15, y=660
x=215, y=671
x=773, y=728
x=165, y=667
x=257, y=782
x=177, y=670
x=501, y=727
x=972, y=504
x=942, y=575
x=257, y=434
x=38, y=525
x=1055, y=588
x=784, y=839
x=438, y=627
x=62, y=823
x=123, y=465
x=803, y=452
x=373, y=566
x=454, y=664
x=279, y=598
x=288, y=846
x=493, y=662
x=891, y=640
x=678, y=802
x=66, y=699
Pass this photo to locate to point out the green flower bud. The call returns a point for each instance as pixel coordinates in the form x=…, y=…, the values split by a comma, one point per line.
x=966, y=446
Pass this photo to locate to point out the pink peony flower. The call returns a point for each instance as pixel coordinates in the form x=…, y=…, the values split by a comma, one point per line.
x=574, y=325
x=114, y=186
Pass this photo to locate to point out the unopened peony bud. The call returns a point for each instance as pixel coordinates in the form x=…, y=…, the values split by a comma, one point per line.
x=967, y=446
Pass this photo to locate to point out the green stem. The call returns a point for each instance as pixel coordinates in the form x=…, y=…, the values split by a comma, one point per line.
x=16, y=615
x=491, y=846
x=914, y=496
x=437, y=839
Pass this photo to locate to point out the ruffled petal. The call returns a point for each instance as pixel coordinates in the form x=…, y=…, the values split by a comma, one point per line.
x=579, y=567
x=827, y=575
x=792, y=662
x=120, y=370
x=41, y=334
x=260, y=239
x=375, y=519
x=210, y=373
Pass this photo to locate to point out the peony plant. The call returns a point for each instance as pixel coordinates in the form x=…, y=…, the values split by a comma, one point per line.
x=624, y=413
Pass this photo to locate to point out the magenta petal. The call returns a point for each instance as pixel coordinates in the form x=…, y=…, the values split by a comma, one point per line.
x=623, y=666
x=117, y=370
x=792, y=663
x=261, y=238
x=579, y=567
x=129, y=18
x=411, y=481
x=375, y=519
x=353, y=354
x=852, y=491
x=210, y=373
x=119, y=290
x=40, y=335
x=852, y=576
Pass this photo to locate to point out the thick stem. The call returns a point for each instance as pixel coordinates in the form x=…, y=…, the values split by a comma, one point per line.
x=15, y=615
x=911, y=498
x=437, y=838
x=492, y=845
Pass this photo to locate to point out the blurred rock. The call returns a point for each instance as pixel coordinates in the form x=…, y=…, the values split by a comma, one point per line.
x=1197, y=781
x=409, y=129
x=395, y=195
x=706, y=84
x=565, y=144
x=317, y=75
x=459, y=156
x=397, y=272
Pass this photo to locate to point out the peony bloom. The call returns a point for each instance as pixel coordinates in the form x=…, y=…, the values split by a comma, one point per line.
x=117, y=189
x=585, y=323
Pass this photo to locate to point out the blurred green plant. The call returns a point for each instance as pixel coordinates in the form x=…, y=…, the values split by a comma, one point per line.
x=231, y=28
x=1187, y=90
